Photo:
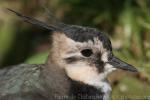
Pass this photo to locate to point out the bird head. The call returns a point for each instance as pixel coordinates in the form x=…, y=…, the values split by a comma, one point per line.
x=84, y=53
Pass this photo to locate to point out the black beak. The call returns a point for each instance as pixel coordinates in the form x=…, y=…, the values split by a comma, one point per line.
x=117, y=63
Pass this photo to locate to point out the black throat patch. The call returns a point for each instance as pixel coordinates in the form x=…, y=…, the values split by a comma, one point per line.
x=81, y=91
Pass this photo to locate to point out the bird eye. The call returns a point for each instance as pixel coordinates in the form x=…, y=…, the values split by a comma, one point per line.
x=87, y=52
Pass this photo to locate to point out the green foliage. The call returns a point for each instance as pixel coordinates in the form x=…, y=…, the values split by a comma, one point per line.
x=131, y=89
x=39, y=58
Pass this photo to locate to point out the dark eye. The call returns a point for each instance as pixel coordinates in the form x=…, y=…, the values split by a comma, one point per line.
x=87, y=52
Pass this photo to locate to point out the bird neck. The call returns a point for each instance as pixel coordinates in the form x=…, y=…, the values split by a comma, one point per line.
x=74, y=89
x=54, y=82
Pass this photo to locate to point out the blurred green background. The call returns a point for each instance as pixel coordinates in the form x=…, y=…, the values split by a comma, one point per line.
x=127, y=23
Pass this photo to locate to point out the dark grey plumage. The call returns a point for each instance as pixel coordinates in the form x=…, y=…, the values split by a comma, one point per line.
x=32, y=82
x=83, y=34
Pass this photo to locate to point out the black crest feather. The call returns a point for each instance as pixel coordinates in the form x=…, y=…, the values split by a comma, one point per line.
x=36, y=22
x=75, y=32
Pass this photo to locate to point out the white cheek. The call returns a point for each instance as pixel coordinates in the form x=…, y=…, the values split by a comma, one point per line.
x=81, y=72
x=105, y=57
x=108, y=69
